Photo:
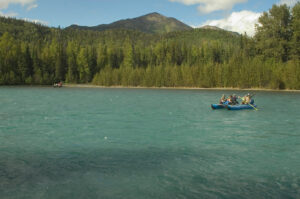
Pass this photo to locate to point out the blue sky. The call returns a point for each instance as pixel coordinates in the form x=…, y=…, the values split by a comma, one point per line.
x=234, y=15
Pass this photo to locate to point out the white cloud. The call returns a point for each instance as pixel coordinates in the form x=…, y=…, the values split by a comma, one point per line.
x=240, y=22
x=5, y=3
x=288, y=2
x=32, y=6
x=13, y=14
x=10, y=14
x=208, y=6
x=37, y=21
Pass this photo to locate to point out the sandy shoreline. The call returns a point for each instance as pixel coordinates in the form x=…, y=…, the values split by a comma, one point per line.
x=174, y=88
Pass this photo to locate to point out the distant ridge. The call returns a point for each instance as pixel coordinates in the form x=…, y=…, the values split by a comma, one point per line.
x=208, y=27
x=150, y=23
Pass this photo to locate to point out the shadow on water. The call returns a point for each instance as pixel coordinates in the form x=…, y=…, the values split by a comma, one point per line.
x=54, y=165
x=32, y=174
x=110, y=173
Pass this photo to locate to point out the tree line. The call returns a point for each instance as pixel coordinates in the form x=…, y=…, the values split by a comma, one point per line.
x=36, y=54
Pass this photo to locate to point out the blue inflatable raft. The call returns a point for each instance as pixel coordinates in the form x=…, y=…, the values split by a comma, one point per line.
x=218, y=106
x=233, y=107
x=241, y=107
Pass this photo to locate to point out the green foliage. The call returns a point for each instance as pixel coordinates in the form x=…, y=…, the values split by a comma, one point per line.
x=295, y=26
x=192, y=58
x=83, y=66
x=72, y=72
x=273, y=33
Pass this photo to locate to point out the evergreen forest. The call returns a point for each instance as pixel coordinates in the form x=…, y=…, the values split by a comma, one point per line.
x=34, y=54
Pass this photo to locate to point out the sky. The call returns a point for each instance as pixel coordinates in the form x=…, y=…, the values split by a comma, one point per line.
x=233, y=15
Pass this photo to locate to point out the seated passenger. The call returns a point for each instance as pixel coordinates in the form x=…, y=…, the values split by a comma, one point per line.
x=234, y=99
x=243, y=99
x=248, y=99
x=223, y=99
x=230, y=100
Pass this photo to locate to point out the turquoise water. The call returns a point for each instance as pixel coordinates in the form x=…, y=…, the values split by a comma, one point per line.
x=137, y=143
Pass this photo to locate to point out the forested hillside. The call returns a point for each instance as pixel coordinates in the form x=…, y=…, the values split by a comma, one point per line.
x=35, y=54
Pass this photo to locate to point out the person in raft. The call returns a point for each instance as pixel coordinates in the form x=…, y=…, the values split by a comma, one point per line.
x=223, y=99
x=247, y=99
x=234, y=99
x=229, y=100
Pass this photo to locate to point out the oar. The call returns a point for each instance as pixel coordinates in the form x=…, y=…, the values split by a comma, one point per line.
x=253, y=107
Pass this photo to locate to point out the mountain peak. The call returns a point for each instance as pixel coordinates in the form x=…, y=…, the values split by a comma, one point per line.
x=154, y=14
x=150, y=23
x=156, y=17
